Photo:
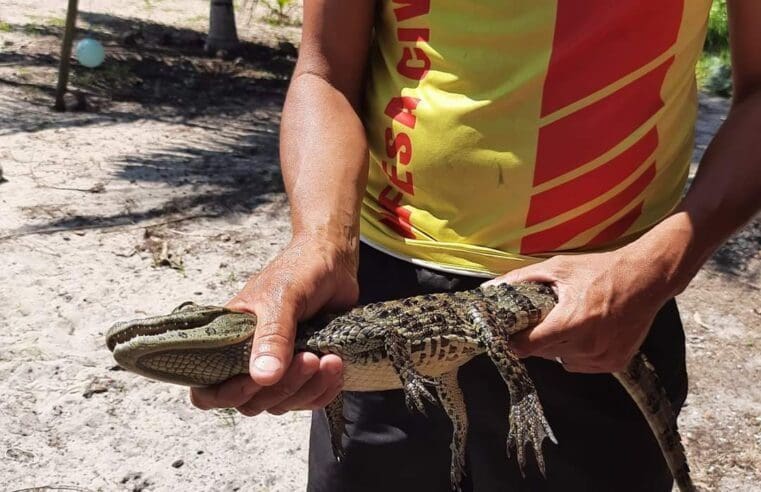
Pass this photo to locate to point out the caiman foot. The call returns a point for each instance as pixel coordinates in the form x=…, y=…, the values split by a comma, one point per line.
x=452, y=400
x=528, y=425
x=337, y=424
x=415, y=391
x=413, y=383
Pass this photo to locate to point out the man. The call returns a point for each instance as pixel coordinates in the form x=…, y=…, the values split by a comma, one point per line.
x=500, y=133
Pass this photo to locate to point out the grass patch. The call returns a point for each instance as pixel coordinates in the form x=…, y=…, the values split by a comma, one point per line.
x=56, y=21
x=4, y=26
x=279, y=12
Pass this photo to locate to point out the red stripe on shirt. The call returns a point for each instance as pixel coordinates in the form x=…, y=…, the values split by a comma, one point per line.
x=597, y=42
x=587, y=187
x=553, y=238
x=617, y=228
x=580, y=137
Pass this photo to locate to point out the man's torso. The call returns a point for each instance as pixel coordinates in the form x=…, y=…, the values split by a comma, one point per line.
x=505, y=131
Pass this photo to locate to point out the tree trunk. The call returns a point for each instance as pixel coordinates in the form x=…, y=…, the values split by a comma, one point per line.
x=63, y=68
x=222, y=33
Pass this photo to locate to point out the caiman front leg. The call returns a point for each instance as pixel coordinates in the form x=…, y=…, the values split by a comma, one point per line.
x=413, y=382
x=527, y=421
x=337, y=425
x=453, y=401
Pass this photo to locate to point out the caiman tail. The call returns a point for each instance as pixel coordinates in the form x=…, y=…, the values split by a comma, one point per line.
x=641, y=382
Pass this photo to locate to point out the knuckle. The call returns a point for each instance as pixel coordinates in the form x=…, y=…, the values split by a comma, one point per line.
x=555, y=264
x=270, y=335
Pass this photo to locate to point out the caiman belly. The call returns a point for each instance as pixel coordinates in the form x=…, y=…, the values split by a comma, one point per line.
x=380, y=375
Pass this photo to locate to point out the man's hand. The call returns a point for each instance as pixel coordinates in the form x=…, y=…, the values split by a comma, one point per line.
x=606, y=304
x=310, y=274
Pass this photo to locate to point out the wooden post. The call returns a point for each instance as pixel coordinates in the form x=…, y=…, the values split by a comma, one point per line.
x=222, y=32
x=63, y=67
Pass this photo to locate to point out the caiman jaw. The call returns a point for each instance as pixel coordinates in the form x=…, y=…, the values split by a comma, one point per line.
x=157, y=325
x=193, y=346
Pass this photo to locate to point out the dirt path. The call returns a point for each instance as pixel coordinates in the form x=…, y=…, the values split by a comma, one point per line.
x=169, y=190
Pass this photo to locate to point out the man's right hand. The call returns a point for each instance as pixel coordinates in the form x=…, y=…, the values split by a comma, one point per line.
x=310, y=274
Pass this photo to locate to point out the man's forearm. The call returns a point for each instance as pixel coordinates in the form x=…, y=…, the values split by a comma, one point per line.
x=323, y=150
x=725, y=194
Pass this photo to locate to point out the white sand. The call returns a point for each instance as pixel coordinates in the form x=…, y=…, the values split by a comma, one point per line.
x=60, y=291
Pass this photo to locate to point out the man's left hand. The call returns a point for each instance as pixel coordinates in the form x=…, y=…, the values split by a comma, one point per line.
x=606, y=305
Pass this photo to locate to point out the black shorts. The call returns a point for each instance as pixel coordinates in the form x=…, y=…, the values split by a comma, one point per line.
x=604, y=442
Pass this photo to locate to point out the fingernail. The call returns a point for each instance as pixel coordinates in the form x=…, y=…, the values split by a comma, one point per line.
x=267, y=363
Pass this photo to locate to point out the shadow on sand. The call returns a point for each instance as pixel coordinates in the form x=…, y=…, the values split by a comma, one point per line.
x=156, y=72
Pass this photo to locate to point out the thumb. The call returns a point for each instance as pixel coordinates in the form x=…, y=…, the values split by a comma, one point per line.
x=272, y=347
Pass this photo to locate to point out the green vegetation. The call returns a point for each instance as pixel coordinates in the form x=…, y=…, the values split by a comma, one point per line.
x=279, y=11
x=56, y=21
x=4, y=26
x=714, y=68
x=717, y=39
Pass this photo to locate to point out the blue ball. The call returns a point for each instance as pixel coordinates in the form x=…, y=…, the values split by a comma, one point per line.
x=89, y=53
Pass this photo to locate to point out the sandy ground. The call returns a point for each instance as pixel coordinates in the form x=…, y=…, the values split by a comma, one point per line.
x=161, y=193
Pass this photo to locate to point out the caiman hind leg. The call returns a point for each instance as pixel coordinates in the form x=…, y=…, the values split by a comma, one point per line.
x=453, y=401
x=413, y=383
x=527, y=421
x=337, y=425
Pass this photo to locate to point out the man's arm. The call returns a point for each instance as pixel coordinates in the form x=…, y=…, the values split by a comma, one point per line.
x=323, y=152
x=726, y=191
x=322, y=141
x=607, y=301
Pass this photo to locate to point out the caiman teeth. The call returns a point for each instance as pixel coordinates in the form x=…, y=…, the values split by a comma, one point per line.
x=125, y=331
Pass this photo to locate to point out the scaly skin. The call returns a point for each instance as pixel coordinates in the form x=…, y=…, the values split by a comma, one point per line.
x=410, y=344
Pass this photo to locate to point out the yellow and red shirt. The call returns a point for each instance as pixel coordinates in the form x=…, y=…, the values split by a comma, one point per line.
x=504, y=131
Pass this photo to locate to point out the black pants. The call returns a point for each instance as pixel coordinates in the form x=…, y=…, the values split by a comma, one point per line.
x=604, y=442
